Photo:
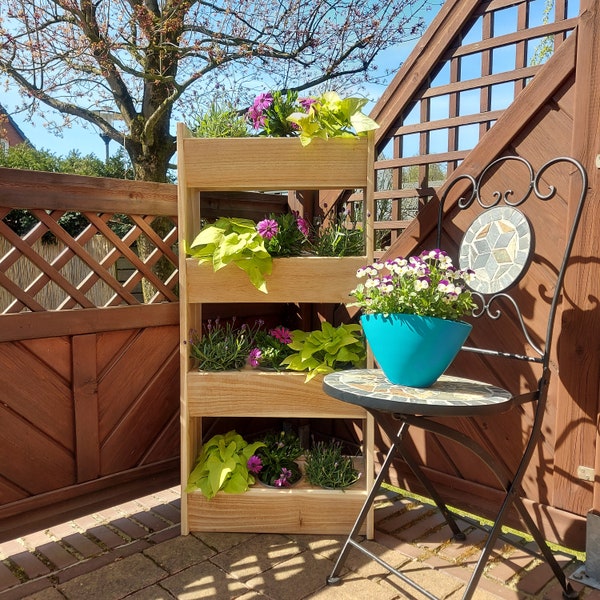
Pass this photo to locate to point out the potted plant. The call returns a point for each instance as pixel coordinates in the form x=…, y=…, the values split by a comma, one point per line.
x=223, y=465
x=326, y=466
x=411, y=315
x=325, y=350
x=275, y=461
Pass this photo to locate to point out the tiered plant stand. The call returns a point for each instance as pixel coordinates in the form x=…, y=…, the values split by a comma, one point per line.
x=266, y=164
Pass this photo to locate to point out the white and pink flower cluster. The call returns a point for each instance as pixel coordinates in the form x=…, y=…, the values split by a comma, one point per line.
x=427, y=285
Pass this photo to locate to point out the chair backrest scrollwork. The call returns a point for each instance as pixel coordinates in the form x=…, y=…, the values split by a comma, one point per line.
x=500, y=243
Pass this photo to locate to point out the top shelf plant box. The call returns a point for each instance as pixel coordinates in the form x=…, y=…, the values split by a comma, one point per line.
x=274, y=163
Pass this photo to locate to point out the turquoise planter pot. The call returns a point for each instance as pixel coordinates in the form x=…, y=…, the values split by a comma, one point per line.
x=413, y=350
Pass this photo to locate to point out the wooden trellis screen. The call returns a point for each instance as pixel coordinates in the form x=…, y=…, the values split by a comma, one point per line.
x=473, y=61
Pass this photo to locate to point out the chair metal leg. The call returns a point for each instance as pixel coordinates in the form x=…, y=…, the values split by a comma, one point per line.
x=398, y=447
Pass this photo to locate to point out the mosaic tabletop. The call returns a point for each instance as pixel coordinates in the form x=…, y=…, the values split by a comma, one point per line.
x=448, y=396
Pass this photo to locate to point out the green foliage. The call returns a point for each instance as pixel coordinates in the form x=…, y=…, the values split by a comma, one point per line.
x=219, y=121
x=323, y=351
x=332, y=116
x=545, y=47
x=279, y=452
x=276, y=123
x=25, y=156
x=222, y=346
x=326, y=466
x=233, y=241
x=290, y=234
x=340, y=237
x=270, y=348
x=222, y=465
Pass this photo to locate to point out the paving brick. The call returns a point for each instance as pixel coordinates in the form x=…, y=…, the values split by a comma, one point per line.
x=456, y=549
x=223, y=541
x=31, y=564
x=57, y=555
x=83, y=545
x=129, y=528
x=166, y=534
x=179, y=553
x=11, y=547
x=49, y=593
x=107, y=536
x=59, y=531
x=536, y=579
x=511, y=564
x=204, y=581
x=394, y=543
x=150, y=521
x=154, y=592
x=33, y=540
x=25, y=590
x=292, y=579
x=364, y=566
x=256, y=555
x=404, y=519
x=97, y=562
x=168, y=512
x=7, y=577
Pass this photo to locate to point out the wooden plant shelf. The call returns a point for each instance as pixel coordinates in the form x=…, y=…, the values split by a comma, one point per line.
x=266, y=164
x=263, y=394
x=318, y=279
x=300, y=509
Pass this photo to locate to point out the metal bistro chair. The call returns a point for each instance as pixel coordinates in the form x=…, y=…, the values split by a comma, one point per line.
x=501, y=246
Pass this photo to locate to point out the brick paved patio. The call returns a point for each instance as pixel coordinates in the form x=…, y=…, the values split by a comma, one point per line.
x=134, y=551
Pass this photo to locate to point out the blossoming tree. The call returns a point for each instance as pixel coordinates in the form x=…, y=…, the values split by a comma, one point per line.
x=148, y=62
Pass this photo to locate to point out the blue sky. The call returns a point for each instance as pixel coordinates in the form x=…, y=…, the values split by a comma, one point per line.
x=86, y=139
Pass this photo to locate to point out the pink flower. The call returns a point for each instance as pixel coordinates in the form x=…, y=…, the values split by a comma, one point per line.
x=281, y=334
x=306, y=103
x=256, y=112
x=254, y=357
x=302, y=224
x=268, y=228
x=254, y=464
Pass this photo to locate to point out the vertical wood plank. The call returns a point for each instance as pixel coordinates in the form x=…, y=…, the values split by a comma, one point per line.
x=85, y=399
x=579, y=336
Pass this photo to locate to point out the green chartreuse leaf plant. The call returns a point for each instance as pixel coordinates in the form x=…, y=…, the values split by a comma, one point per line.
x=231, y=240
x=327, y=349
x=332, y=116
x=223, y=466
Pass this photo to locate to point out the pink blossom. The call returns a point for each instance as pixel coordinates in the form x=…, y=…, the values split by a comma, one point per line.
x=268, y=228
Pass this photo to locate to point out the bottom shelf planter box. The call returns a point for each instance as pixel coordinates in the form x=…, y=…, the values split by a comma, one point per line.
x=301, y=509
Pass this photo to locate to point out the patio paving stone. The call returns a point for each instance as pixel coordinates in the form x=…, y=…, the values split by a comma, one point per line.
x=114, y=581
x=126, y=559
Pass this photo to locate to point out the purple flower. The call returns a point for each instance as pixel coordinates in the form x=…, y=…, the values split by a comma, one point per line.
x=263, y=101
x=267, y=228
x=254, y=357
x=306, y=103
x=302, y=224
x=281, y=334
x=254, y=464
x=256, y=112
x=284, y=478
